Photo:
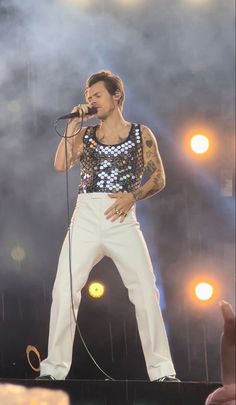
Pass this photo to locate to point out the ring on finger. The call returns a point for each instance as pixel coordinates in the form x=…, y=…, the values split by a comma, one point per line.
x=123, y=214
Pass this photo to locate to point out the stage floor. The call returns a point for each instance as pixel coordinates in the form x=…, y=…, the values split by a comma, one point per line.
x=99, y=392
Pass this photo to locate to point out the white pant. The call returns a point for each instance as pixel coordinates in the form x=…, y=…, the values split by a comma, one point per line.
x=92, y=238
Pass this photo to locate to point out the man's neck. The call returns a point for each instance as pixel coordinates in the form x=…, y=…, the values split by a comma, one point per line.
x=114, y=121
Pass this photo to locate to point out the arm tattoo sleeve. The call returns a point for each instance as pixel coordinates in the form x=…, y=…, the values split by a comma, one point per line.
x=154, y=169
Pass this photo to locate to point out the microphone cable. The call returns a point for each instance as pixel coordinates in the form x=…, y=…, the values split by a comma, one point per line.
x=69, y=242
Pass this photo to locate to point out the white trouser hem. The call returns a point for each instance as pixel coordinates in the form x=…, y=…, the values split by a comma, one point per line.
x=59, y=372
x=161, y=370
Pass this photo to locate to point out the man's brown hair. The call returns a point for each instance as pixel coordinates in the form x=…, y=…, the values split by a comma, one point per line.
x=112, y=83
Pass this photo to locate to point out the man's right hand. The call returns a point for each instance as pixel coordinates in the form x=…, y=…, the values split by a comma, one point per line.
x=83, y=109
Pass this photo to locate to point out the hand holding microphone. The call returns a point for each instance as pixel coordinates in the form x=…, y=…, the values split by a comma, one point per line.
x=81, y=112
x=73, y=149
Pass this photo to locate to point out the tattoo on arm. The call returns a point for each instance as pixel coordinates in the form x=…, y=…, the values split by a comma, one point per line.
x=156, y=181
x=149, y=143
x=137, y=194
x=153, y=168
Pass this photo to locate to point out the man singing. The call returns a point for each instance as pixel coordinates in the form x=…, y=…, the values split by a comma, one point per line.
x=113, y=157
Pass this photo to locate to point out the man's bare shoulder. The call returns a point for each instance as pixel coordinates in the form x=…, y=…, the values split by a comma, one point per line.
x=147, y=134
x=150, y=146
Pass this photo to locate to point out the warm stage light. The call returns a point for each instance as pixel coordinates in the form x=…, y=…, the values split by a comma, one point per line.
x=203, y=288
x=18, y=254
x=200, y=144
x=96, y=290
x=204, y=291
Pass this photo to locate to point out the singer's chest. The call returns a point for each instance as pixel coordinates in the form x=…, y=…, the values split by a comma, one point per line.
x=114, y=167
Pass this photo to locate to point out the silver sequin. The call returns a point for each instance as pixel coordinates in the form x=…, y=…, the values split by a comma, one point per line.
x=116, y=167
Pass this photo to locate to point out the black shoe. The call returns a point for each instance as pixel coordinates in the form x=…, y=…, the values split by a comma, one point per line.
x=45, y=377
x=168, y=378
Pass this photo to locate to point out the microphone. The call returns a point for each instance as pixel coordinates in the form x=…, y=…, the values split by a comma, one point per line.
x=91, y=111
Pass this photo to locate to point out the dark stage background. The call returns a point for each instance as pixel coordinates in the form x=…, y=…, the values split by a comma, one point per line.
x=177, y=62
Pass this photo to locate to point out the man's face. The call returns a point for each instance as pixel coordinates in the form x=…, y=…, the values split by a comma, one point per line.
x=98, y=96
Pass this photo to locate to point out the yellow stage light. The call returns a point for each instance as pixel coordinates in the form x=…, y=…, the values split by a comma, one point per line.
x=18, y=254
x=203, y=288
x=200, y=144
x=96, y=290
x=204, y=291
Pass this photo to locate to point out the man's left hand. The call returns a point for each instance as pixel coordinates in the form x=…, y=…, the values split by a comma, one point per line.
x=121, y=206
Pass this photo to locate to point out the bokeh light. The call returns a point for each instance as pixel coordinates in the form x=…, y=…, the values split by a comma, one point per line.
x=18, y=254
x=200, y=144
x=96, y=290
x=204, y=291
x=203, y=288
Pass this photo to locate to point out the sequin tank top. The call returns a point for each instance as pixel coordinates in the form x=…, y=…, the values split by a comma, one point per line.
x=111, y=168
